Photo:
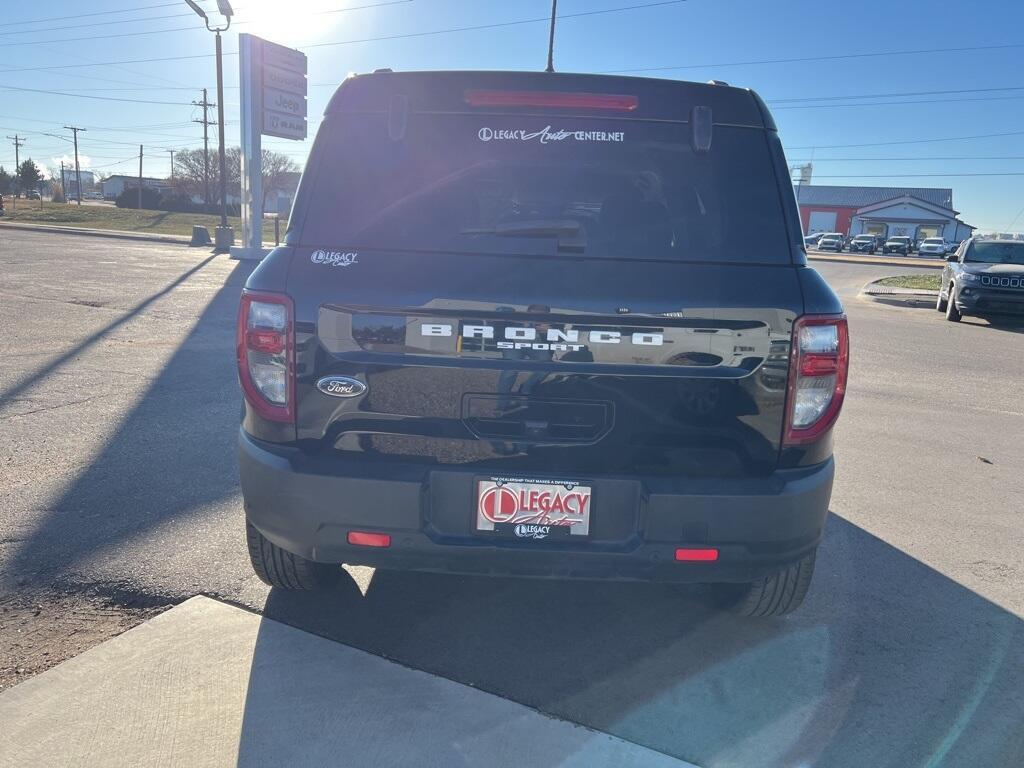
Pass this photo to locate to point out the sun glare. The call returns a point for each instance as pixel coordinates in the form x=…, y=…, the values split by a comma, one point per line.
x=289, y=23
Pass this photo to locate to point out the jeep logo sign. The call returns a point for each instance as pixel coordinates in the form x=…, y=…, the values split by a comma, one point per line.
x=341, y=386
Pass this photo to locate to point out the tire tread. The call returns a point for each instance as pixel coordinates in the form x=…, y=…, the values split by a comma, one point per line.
x=777, y=594
x=277, y=567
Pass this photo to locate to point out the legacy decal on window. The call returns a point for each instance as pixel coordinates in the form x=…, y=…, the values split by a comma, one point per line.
x=546, y=134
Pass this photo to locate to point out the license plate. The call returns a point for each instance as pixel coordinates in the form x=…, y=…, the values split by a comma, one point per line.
x=533, y=509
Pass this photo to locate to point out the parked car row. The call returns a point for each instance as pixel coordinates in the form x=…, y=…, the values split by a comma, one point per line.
x=868, y=243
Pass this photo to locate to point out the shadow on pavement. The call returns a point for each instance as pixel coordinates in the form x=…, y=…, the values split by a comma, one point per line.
x=890, y=663
x=175, y=450
x=45, y=370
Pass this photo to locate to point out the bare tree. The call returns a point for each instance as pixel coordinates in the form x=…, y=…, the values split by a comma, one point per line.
x=189, y=170
x=277, y=170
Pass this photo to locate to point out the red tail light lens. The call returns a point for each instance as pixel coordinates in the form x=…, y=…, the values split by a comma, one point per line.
x=608, y=101
x=819, y=362
x=266, y=354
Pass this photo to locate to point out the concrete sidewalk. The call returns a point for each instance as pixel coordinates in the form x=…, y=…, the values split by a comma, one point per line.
x=206, y=684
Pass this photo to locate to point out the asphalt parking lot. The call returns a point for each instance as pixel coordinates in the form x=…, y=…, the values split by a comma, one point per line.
x=118, y=497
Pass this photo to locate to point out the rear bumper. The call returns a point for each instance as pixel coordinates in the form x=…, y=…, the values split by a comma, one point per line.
x=308, y=505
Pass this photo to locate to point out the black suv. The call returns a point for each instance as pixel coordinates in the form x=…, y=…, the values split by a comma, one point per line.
x=542, y=325
x=863, y=244
x=984, y=278
x=898, y=244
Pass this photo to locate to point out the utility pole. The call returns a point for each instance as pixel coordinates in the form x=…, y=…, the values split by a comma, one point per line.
x=63, y=184
x=206, y=145
x=140, y=177
x=78, y=172
x=18, y=141
x=551, y=38
x=172, y=163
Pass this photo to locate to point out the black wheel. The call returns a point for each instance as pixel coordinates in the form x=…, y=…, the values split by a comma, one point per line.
x=774, y=595
x=952, y=313
x=280, y=568
x=940, y=303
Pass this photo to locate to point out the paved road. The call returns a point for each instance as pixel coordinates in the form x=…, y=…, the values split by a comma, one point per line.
x=118, y=477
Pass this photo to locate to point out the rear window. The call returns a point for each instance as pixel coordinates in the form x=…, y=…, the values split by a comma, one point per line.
x=596, y=187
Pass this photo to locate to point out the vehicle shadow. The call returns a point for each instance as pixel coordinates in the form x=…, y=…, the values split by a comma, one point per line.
x=1011, y=325
x=174, y=451
x=889, y=663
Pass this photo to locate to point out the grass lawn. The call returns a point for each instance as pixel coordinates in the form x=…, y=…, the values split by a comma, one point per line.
x=919, y=282
x=123, y=219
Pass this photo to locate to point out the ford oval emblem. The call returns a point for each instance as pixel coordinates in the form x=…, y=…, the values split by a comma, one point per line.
x=341, y=386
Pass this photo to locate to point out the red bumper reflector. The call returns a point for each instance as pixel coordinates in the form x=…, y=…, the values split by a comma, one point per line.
x=697, y=555
x=363, y=539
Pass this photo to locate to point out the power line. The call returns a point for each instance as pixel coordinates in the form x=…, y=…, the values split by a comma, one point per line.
x=186, y=15
x=893, y=95
x=896, y=103
x=910, y=141
x=118, y=162
x=805, y=59
x=96, y=98
x=187, y=28
x=496, y=25
x=84, y=15
x=901, y=159
x=914, y=175
x=98, y=24
x=1009, y=226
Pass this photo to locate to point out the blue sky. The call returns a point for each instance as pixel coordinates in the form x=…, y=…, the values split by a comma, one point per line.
x=982, y=89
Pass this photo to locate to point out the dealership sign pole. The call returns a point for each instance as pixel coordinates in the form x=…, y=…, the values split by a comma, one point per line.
x=273, y=99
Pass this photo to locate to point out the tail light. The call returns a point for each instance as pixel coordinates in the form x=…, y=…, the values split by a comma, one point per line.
x=266, y=354
x=819, y=361
x=608, y=101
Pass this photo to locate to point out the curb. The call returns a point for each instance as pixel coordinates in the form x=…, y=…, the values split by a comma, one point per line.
x=905, y=261
x=115, y=234
x=888, y=295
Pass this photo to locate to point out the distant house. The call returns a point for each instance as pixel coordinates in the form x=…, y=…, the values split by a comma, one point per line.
x=71, y=182
x=113, y=186
x=278, y=198
x=888, y=211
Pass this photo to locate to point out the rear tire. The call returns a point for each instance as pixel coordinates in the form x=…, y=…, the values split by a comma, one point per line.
x=774, y=595
x=952, y=313
x=279, y=568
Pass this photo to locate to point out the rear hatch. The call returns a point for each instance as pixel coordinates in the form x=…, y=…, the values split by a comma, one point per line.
x=545, y=275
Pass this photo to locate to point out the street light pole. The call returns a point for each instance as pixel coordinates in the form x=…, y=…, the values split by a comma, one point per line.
x=225, y=237
x=220, y=135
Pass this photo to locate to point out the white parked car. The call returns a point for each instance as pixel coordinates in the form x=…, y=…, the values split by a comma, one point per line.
x=932, y=246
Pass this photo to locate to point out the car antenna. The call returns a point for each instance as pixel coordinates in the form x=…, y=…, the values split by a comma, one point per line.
x=551, y=39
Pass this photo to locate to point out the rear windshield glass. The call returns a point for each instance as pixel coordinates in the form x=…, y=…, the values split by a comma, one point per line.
x=540, y=186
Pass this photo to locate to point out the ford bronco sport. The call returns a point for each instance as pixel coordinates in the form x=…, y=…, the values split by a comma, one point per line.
x=542, y=325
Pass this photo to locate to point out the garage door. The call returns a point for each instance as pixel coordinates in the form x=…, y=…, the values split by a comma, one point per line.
x=822, y=221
